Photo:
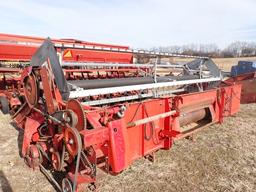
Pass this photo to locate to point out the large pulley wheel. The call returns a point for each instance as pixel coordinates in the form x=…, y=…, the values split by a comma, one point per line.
x=31, y=89
x=66, y=185
x=77, y=108
x=73, y=141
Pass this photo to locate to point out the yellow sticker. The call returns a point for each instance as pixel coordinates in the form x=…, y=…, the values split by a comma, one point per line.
x=68, y=54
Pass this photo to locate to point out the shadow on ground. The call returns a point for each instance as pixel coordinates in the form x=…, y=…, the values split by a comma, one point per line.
x=5, y=185
x=19, y=138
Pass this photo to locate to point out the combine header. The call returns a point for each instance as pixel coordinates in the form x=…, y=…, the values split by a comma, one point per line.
x=75, y=123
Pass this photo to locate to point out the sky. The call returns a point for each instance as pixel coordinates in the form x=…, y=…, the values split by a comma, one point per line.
x=137, y=23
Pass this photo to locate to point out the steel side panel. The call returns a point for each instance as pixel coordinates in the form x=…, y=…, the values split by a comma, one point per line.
x=31, y=126
x=98, y=56
x=16, y=52
x=248, y=91
x=139, y=146
x=24, y=53
x=248, y=82
x=197, y=100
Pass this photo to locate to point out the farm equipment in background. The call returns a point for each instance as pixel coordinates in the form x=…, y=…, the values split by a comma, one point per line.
x=16, y=52
x=74, y=125
x=243, y=67
x=245, y=74
x=10, y=88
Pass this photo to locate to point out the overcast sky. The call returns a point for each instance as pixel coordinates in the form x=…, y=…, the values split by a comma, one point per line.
x=138, y=23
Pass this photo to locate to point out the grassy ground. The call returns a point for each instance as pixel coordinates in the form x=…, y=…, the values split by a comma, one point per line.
x=223, y=158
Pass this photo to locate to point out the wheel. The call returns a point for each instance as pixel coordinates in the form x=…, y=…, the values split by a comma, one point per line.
x=66, y=185
x=4, y=105
x=73, y=141
x=77, y=108
x=31, y=90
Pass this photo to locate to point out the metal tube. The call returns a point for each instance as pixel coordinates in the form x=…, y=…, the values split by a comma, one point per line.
x=111, y=90
x=111, y=65
x=103, y=83
x=150, y=119
x=105, y=49
x=122, y=50
x=192, y=117
x=131, y=97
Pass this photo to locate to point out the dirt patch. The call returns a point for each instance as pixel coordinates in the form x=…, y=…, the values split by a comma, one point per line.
x=223, y=158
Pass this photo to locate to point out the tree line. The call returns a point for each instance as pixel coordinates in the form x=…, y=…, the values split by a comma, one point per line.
x=235, y=49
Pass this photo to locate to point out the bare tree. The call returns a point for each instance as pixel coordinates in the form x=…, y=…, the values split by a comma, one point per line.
x=235, y=49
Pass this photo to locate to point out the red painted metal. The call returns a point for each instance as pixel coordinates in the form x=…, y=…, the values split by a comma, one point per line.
x=248, y=82
x=17, y=48
x=21, y=48
x=76, y=138
x=13, y=52
x=10, y=88
x=113, y=142
x=30, y=39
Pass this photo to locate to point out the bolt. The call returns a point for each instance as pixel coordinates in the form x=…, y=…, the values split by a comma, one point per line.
x=71, y=141
x=65, y=117
x=122, y=108
x=68, y=119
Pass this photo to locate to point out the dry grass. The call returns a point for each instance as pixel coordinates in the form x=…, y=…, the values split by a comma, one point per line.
x=223, y=158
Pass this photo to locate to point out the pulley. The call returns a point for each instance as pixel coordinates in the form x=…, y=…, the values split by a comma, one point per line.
x=72, y=140
x=68, y=117
x=31, y=89
x=75, y=106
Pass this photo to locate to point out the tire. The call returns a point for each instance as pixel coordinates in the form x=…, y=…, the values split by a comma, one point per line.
x=4, y=105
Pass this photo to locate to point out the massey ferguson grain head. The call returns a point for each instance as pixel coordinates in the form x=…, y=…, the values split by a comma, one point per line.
x=74, y=124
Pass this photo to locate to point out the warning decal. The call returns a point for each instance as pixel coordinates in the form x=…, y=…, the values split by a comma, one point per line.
x=68, y=54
